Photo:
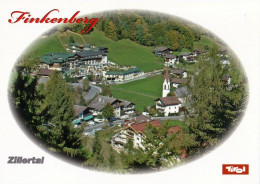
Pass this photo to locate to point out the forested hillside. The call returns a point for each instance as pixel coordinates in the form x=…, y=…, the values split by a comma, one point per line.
x=147, y=29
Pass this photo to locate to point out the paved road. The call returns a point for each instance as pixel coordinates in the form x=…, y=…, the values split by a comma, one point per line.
x=93, y=90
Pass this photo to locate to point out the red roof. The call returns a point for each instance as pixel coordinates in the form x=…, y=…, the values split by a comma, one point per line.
x=45, y=71
x=174, y=129
x=139, y=127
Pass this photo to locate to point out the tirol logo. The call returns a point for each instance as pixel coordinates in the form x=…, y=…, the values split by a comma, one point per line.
x=235, y=169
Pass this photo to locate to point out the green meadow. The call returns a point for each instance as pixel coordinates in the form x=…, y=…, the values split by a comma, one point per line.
x=126, y=52
x=123, y=52
x=141, y=92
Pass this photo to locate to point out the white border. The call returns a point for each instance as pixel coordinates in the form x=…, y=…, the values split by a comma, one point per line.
x=234, y=21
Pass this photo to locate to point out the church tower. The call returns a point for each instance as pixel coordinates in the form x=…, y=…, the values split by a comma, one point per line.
x=166, y=83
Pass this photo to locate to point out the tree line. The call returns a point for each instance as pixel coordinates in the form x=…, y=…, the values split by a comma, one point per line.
x=148, y=29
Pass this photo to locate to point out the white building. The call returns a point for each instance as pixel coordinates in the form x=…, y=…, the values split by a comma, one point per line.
x=170, y=60
x=185, y=55
x=168, y=105
x=133, y=131
x=122, y=108
x=166, y=83
x=120, y=76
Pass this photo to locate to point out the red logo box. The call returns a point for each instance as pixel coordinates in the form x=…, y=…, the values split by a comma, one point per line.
x=239, y=169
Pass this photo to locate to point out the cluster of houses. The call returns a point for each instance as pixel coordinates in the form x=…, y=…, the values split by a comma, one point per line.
x=171, y=60
x=122, y=109
x=83, y=60
x=134, y=130
x=168, y=105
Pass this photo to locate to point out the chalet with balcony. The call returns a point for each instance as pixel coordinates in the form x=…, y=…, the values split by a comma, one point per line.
x=80, y=114
x=55, y=61
x=186, y=55
x=170, y=60
x=162, y=51
x=179, y=73
x=133, y=131
x=122, y=109
x=92, y=58
x=168, y=105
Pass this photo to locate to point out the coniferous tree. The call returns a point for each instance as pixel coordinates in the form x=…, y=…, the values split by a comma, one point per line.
x=214, y=106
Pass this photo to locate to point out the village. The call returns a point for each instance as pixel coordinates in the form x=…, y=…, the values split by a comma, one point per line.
x=86, y=60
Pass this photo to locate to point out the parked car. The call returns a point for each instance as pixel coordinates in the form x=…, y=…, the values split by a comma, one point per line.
x=145, y=113
x=98, y=120
x=91, y=123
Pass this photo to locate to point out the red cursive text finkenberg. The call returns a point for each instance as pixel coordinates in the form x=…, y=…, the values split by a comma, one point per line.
x=25, y=17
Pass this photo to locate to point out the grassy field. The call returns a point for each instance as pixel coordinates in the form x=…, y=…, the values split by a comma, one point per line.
x=142, y=92
x=123, y=52
x=175, y=123
x=47, y=45
x=77, y=38
x=126, y=52
x=199, y=45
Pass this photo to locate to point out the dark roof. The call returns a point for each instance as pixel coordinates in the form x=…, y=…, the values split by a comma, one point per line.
x=78, y=109
x=170, y=56
x=185, y=53
x=178, y=71
x=166, y=74
x=170, y=100
x=179, y=81
x=45, y=72
x=100, y=102
x=125, y=103
x=181, y=92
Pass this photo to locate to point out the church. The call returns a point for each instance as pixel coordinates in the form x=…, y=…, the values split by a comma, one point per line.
x=167, y=105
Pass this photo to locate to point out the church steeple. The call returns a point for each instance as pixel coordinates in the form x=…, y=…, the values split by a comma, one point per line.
x=166, y=83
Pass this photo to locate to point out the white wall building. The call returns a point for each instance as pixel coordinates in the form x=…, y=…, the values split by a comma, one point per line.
x=168, y=105
x=166, y=84
x=170, y=60
x=133, y=131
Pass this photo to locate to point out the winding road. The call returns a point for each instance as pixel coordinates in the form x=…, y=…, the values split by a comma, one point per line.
x=93, y=90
